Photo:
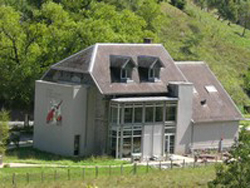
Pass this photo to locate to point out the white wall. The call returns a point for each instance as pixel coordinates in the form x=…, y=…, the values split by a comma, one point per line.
x=208, y=135
x=59, y=138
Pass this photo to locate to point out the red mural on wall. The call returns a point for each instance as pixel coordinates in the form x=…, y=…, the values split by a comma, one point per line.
x=54, y=115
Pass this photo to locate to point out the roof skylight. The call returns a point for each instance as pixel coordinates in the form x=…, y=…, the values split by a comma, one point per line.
x=211, y=89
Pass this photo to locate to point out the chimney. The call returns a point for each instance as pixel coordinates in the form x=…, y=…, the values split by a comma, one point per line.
x=147, y=40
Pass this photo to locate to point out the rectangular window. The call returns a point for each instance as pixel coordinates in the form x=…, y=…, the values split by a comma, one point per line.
x=128, y=112
x=137, y=145
x=149, y=114
x=158, y=114
x=76, y=144
x=170, y=113
x=114, y=115
x=138, y=115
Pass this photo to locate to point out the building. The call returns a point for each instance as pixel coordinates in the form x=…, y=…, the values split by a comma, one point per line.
x=131, y=99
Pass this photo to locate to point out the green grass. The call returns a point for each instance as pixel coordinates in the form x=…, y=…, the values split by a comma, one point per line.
x=34, y=156
x=197, y=35
x=188, y=177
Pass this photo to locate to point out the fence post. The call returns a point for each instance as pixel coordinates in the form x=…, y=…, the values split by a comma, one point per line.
x=14, y=179
x=28, y=177
x=121, y=169
x=96, y=172
x=147, y=167
x=194, y=164
x=183, y=165
x=110, y=170
x=68, y=174
x=171, y=163
x=135, y=168
x=160, y=165
x=83, y=173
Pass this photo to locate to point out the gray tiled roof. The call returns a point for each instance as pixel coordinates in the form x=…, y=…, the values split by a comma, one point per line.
x=218, y=105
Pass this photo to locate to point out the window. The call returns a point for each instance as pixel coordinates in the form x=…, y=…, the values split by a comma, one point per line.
x=170, y=113
x=128, y=114
x=138, y=115
x=211, y=89
x=158, y=114
x=149, y=114
x=121, y=68
x=154, y=74
x=149, y=68
x=76, y=144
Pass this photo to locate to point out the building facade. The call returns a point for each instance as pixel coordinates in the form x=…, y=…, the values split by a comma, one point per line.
x=131, y=99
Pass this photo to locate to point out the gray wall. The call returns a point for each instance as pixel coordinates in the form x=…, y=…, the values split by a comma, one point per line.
x=59, y=138
x=208, y=135
x=184, y=92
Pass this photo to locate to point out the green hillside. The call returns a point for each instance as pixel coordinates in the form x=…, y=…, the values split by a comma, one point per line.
x=198, y=35
x=37, y=33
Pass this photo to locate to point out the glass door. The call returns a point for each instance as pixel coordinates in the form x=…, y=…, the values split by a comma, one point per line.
x=169, y=143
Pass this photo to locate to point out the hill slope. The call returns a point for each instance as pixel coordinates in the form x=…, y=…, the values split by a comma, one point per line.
x=198, y=35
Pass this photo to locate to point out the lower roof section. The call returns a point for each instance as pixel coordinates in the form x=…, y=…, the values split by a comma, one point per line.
x=144, y=99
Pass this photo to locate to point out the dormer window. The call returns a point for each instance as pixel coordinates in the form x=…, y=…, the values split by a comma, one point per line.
x=149, y=68
x=121, y=68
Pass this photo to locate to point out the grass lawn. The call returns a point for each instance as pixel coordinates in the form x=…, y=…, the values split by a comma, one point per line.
x=34, y=156
x=61, y=177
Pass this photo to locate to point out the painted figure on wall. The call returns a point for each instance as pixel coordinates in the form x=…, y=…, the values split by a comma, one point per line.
x=54, y=115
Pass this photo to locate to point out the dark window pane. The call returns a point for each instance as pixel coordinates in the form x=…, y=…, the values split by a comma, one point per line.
x=124, y=74
x=137, y=145
x=149, y=114
x=137, y=133
x=157, y=73
x=128, y=115
x=158, y=114
x=170, y=113
x=114, y=115
x=126, y=152
x=138, y=115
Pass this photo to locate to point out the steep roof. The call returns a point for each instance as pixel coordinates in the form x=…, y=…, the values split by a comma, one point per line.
x=211, y=102
x=95, y=61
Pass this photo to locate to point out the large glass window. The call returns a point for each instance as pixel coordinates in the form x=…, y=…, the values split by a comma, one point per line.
x=137, y=144
x=138, y=115
x=128, y=115
x=149, y=114
x=170, y=113
x=158, y=114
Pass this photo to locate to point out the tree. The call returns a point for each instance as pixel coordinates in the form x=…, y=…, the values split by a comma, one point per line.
x=180, y=4
x=244, y=15
x=4, y=130
x=235, y=171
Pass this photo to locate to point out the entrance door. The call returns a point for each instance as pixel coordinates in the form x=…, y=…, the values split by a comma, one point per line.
x=169, y=143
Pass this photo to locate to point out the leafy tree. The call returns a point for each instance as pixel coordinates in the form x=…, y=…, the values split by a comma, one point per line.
x=180, y=4
x=235, y=171
x=4, y=130
x=244, y=15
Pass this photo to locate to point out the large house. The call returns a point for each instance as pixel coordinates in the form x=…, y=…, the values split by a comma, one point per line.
x=131, y=99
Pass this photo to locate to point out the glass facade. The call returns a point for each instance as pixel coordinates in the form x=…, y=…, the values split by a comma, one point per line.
x=127, y=121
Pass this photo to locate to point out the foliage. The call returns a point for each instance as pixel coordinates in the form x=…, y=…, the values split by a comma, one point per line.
x=235, y=171
x=35, y=34
x=180, y=4
x=4, y=130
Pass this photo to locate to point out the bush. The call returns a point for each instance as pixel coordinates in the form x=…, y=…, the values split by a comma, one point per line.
x=4, y=130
